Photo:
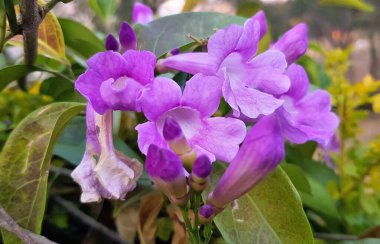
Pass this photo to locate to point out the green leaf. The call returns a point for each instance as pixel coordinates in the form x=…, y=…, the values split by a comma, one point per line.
x=80, y=39
x=354, y=4
x=11, y=13
x=15, y=72
x=297, y=176
x=362, y=241
x=104, y=8
x=24, y=164
x=271, y=213
x=164, y=34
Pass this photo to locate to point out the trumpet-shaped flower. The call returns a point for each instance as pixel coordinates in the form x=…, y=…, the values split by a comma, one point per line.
x=113, y=80
x=185, y=118
x=250, y=83
x=303, y=117
x=113, y=174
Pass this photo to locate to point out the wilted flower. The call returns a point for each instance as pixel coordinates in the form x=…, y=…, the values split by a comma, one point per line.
x=250, y=83
x=163, y=99
x=104, y=172
x=113, y=80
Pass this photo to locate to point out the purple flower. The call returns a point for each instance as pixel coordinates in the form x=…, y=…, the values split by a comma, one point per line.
x=250, y=83
x=112, y=80
x=305, y=116
x=206, y=213
x=142, y=14
x=166, y=170
x=163, y=100
x=200, y=173
x=110, y=176
x=260, y=153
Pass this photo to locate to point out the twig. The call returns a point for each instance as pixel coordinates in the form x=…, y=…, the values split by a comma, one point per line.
x=60, y=171
x=28, y=237
x=335, y=237
x=84, y=218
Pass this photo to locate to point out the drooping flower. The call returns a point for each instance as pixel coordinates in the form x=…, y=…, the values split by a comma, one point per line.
x=104, y=172
x=250, y=83
x=141, y=13
x=303, y=117
x=113, y=80
x=163, y=102
x=166, y=170
x=261, y=151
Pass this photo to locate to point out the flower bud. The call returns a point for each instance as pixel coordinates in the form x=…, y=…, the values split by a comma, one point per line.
x=199, y=174
x=127, y=37
x=206, y=214
x=111, y=43
x=166, y=171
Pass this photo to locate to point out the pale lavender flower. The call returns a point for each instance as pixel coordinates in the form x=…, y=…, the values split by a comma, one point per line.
x=142, y=14
x=217, y=137
x=166, y=170
x=303, y=117
x=104, y=172
x=250, y=83
x=114, y=80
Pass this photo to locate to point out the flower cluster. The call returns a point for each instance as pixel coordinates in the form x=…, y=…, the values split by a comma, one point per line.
x=183, y=134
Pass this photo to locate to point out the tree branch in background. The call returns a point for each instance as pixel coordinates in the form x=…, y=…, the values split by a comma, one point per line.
x=8, y=224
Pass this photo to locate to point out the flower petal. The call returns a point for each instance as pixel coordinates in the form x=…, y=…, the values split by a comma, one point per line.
x=223, y=43
x=142, y=14
x=260, y=17
x=160, y=96
x=127, y=36
x=148, y=135
x=299, y=82
x=191, y=63
x=88, y=84
x=221, y=136
x=111, y=43
x=108, y=64
x=121, y=94
x=293, y=43
x=261, y=152
x=203, y=93
x=253, y=103
x=140, y=65
x=249, y=40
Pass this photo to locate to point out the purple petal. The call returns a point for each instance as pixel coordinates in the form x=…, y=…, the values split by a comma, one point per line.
x=249, y=40
x=91, y=136
x=293, y=43
x=260, y=17
x=203, y=93
x=229, y=95
x=147, y=135
x=142, y=14
x=88, y=85
x=261, y=152
x=108, y=64
x=253, y=103
x=191, y=63
x=268, y=69
x=299, y=82
x=223, y=43
x=221, y=136
x=121, y=94
x=127, y=37
x=160, y=96
x=206, y=211
x=140, y=65
x=111, y=43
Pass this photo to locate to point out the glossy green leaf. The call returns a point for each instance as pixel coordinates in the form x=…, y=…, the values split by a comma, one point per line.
x=104, y=8
x=297, y=176
x=354, y=4
x=167, y=33
x=12, y=73
x=25, y=161
x=271, y=213
x=80, y=39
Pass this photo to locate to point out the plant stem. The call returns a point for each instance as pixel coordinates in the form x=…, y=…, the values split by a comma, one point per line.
x=11, y=13
x=189, y=228
x=207, y=232
x=3, y=18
